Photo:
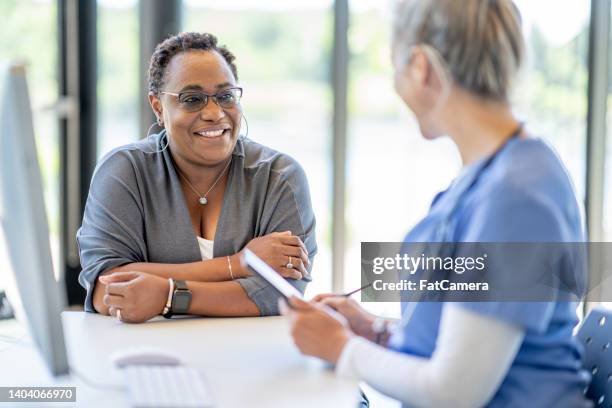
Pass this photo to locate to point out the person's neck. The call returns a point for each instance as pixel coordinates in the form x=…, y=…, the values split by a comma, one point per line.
x=201, y=176
x=478, y=127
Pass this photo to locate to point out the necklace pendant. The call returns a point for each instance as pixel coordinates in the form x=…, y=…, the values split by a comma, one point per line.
x=203, y=200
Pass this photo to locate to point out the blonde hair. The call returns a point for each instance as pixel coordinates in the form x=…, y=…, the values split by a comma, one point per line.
x=477, y=43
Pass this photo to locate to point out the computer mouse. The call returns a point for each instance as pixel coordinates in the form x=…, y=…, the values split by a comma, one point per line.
x=143, y=356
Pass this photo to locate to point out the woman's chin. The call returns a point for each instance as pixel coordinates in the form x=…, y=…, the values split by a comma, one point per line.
x=428, y=133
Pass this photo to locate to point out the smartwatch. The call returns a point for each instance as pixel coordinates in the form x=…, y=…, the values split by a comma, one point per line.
x=181, y=299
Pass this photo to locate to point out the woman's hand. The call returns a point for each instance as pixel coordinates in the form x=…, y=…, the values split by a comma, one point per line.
x=358, y=319
x=138, y=295
x=276, y=248
x=316, y=329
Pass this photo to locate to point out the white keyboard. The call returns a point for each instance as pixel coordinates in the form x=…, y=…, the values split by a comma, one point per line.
x=166, y=386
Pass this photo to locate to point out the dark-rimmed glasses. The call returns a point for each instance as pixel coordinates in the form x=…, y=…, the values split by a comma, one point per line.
x=193, y=101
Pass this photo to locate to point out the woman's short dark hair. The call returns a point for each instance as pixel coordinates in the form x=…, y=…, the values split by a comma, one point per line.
x=180, y=43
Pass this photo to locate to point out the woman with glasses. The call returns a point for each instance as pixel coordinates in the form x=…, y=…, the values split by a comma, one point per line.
x=167, y=216
x=454, y=62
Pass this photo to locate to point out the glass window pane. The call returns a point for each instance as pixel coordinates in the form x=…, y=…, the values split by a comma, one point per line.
x=552, y=94
x=118, y=79
x=282, y=54
x=607, y=221
x=390, y=166
x=393, y=173
x=28, y=34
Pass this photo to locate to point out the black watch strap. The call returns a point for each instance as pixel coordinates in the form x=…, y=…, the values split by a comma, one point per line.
x=181, y=299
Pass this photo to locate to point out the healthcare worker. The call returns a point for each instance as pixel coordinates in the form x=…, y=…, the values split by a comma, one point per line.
x=454, y=64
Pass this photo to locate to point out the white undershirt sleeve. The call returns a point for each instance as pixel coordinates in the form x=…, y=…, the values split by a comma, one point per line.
x=472, y=356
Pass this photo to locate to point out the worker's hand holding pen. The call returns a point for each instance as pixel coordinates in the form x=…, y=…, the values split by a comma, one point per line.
x=359, y=320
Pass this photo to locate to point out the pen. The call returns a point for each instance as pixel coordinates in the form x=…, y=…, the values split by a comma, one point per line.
x=357, y=290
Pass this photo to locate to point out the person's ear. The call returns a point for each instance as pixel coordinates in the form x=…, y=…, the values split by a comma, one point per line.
x=419, y=68
x=156, y=105
x=427, y=74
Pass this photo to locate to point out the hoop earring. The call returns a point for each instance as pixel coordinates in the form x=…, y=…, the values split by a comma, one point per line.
x=151, y=127
x=163, y=134
x=247, y=126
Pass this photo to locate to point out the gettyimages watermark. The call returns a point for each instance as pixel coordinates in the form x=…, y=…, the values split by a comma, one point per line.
x=478, y=271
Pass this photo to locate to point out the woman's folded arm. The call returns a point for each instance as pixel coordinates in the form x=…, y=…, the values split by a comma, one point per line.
x=212, y=270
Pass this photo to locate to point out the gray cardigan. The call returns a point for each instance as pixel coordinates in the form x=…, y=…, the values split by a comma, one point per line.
x=136, y=212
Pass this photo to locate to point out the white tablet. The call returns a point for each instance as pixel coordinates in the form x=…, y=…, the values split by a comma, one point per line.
x=259, y=267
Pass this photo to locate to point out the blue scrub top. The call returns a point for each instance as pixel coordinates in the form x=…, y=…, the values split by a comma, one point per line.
x=523, y=195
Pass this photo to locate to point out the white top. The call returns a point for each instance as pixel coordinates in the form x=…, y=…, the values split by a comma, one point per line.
x=206, y=248
x=472, y=356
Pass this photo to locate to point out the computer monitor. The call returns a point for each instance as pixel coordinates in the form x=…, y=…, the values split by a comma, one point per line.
x=25, y=224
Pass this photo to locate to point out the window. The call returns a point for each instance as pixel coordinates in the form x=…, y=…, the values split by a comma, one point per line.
x=552, y=94
x=391, y=175
x=608, y=180
x=390, y=167
x=28, y=35
x=283, y=58
x=118, y=79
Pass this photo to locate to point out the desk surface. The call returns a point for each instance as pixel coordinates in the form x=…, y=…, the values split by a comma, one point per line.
x=246, y=361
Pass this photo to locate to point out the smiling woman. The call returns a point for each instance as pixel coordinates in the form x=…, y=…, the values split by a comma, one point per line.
x=167, y=217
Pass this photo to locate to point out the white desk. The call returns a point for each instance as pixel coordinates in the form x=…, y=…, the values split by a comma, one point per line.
x=247, y=362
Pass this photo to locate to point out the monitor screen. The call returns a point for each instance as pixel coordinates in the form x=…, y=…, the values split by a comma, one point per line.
x=24, y=222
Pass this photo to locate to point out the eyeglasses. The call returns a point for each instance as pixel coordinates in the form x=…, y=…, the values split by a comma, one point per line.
x=193, y=101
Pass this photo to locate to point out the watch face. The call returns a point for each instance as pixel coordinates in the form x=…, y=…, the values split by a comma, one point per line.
x=180, y=303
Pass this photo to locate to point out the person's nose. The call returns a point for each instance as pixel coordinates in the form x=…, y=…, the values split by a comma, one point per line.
x=212, y=111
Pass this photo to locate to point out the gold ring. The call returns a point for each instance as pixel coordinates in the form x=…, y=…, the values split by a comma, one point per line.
x=289, y=264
